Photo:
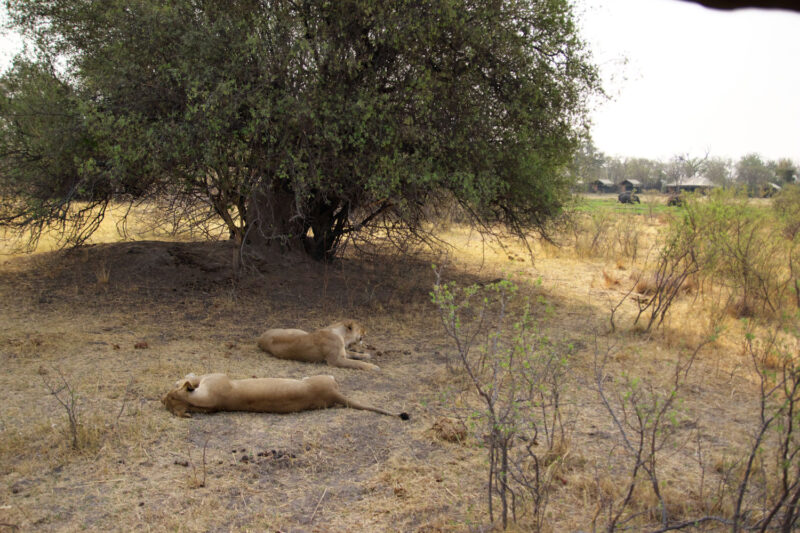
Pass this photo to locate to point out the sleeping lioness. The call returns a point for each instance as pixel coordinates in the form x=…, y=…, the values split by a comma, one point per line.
x=217, y=392
x=326, y=344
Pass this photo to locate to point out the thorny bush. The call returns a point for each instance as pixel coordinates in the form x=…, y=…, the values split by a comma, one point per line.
x=518, y=375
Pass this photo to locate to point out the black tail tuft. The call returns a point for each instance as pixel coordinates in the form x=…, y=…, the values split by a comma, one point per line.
x=405, y=416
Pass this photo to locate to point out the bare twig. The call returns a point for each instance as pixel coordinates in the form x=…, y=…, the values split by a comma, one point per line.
x=324, y=492
x=124, y=401
x=67, y=397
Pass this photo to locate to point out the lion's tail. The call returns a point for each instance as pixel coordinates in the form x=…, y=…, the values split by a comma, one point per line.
x=357, y=405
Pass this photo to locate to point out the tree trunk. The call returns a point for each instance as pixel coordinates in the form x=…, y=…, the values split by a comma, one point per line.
x=273, y=221
x=327, y=223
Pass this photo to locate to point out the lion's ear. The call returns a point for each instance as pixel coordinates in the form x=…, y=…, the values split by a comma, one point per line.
x=187, y=386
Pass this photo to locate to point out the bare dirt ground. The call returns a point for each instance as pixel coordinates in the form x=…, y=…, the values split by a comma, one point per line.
x=122, y=321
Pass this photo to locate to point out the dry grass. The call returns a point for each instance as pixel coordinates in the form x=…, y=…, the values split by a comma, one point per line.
x=83, y=312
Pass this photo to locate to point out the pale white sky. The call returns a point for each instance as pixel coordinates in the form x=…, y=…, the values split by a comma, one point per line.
x=688, y=80
x=10, y=43
x=682, y=79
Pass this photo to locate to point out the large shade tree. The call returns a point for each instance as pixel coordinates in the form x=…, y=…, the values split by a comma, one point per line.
x=297, y=122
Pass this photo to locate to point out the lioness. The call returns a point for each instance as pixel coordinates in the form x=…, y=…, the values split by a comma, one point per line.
x=326, y=344
x=217, y=392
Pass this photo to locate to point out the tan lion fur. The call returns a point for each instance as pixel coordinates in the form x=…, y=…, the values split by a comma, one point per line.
x=217, y=392
x=327, y=344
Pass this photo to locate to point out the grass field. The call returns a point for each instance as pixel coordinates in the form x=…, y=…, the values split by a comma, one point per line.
x=119, y=321
x=650, y=204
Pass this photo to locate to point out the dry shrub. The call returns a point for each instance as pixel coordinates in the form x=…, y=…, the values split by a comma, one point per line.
x=560, y=452
x=745, y=249
x=742, y=256
x=600, y=490
x=610, y=281
x=761, y=488
x=517, y=375
x=646, y=417
x=740, y=308
x=629, y=237
x=590, y=233
x=605, y=234
x=678, y=500
x=449, y=429
x=648, y=283
x=593, y=487
x=675, y=264
x=103, y=274
x=43, y=443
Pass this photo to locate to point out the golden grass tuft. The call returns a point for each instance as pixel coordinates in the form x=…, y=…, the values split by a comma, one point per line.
x=449, y=430
x=647, y=283
x=610, y=281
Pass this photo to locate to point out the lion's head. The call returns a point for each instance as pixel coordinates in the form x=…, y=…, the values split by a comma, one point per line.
x=353, y=332
x=176, y=400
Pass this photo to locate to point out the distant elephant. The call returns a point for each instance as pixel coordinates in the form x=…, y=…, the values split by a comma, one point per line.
x=675, y=200
x=628, y=197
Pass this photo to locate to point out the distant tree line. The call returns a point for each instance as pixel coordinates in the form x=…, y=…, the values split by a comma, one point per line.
x=750, y=171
